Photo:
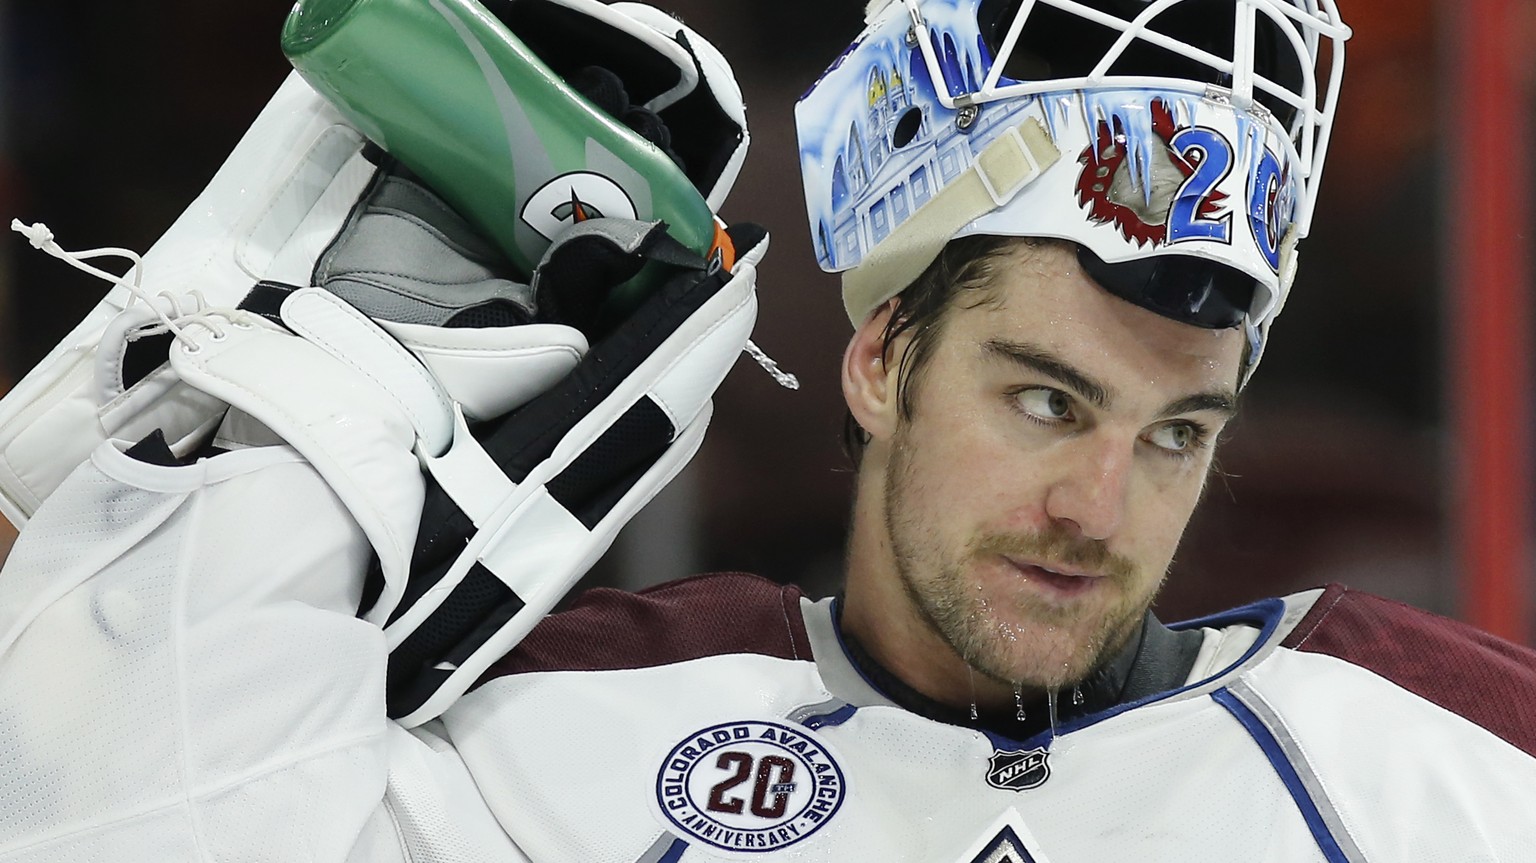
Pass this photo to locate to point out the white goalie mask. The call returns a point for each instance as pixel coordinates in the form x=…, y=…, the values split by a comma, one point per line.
x=1177, y=143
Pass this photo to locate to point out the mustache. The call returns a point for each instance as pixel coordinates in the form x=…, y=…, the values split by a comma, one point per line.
x=1056, y=545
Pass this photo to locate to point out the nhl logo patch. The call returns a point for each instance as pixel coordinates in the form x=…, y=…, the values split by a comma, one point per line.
x=750, y=786
x=1019, y=770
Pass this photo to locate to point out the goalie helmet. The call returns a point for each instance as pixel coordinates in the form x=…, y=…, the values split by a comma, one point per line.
x=1177, y=143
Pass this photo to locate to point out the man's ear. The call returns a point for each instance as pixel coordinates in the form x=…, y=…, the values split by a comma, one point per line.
x=869, y=375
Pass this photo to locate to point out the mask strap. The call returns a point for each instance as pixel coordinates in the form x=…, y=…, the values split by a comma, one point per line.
x=1009, y=164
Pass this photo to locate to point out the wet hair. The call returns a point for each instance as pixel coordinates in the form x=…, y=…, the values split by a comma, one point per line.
x=962, y=273
x=962, y=276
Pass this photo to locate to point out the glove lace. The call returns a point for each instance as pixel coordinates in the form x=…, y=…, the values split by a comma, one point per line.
x=784, y=379
x=41, y=238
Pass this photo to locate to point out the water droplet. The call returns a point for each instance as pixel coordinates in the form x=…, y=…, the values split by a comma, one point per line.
x=1018, y=700
x=971, y=673
x=1077, y=696
x=1050, y=704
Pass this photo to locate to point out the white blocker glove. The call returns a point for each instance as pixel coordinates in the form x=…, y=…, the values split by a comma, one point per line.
x=514, y=505
x=250, y=461
x=280, y=199
x=516, y=508
x=536, y=450
x=519, y=508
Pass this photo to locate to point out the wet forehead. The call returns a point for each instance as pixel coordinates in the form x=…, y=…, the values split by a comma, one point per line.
x=1039, y=296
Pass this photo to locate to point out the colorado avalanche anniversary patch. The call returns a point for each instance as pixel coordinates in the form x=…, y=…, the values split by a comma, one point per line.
x=750, y=786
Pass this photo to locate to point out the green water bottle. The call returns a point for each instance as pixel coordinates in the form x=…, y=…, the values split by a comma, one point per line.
x=448, y=90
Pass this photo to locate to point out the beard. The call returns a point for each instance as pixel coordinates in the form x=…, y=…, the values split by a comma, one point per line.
x=1011, y=634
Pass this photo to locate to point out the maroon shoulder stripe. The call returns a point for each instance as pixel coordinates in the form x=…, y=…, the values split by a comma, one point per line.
x=1486, y=679
x=707, y=615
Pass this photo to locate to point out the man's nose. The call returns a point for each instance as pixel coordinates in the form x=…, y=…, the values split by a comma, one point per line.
x=1089, y=493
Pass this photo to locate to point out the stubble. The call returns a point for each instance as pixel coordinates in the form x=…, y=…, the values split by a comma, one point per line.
x=1016, y=638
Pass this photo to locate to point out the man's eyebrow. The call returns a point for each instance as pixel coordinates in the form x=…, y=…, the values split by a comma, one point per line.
x=1216, y=402
x=1052, y=366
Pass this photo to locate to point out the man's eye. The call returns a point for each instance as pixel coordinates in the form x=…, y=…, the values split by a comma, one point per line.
x=1045, y=403
x=1175, y=438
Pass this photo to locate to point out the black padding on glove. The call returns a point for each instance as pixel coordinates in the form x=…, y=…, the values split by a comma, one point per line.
x=610, y=465
x=154, y=450
x=143, y=355
x=524, y=438
x=596, y=445
x=568, y=40
x=702, y=136
x=266, y=299
x=606, y=90
x=479, y=606
x=578, y=276
x=491, y=313
x=527, y=436
x=704, y=154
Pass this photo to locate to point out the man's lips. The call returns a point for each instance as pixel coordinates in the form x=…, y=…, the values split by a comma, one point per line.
x=1060, y=579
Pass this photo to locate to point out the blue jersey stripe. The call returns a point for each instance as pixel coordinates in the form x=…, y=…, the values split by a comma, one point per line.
x=1287, y=772
x=675, y=853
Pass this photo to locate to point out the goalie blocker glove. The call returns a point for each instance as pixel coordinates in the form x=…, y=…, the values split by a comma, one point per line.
x=518, y=509
x=537, y=449
x=512, y=511
x=297, y=177
x=369, y=396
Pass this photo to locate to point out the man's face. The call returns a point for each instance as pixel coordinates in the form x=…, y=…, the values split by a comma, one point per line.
x=1059, y=441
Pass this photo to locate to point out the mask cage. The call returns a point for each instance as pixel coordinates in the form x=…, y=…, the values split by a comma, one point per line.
x=1059, y=44
x=1265, y=64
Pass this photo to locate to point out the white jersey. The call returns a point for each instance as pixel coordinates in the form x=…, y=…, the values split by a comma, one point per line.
x=182, y=677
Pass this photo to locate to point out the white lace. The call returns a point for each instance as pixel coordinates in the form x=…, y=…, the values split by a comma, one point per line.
x=785, y=379
x=176, y=323
x=208, y=318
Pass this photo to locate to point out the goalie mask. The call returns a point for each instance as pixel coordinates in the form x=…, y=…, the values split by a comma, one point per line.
x=1177, y=143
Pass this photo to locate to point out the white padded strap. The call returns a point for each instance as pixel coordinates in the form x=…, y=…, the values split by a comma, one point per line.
x=1009, y=164
x=343, y=421
x=330, y=323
